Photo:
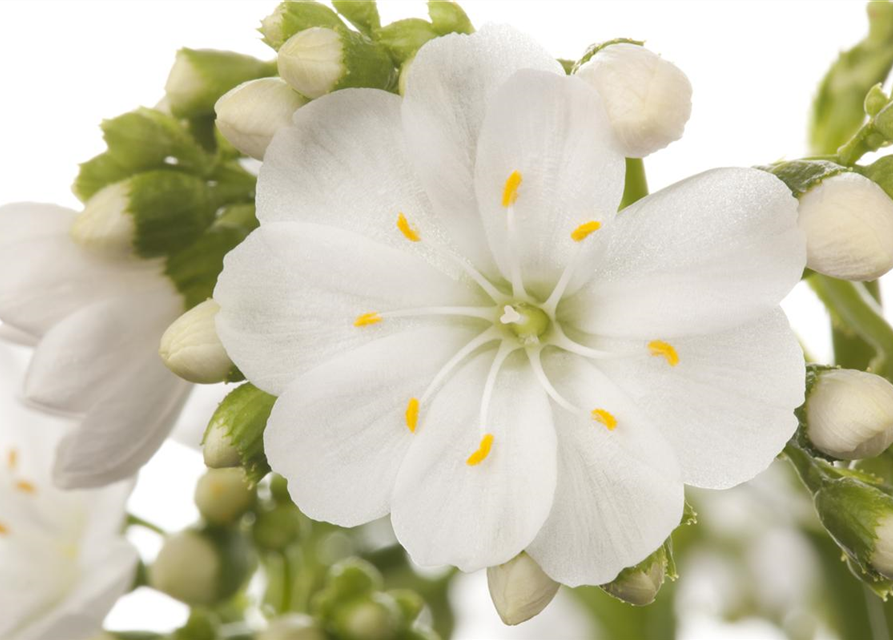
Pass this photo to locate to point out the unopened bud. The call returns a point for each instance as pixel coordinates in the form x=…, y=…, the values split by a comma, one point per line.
x=293, y=16
x=520, y=589
x=191, y=348
x=293, y=626
x=249, y=115
x=639, y=585
x=849, y=414
x=882, y=556
x=404, y=38
x=875, y=100
x=105, y=226
x=374, y=618
x=648, y=100
x=278, y=527
x=200, y=76
x=319, y=60
x=848, y=223
x=239, y=423
x=223, y=495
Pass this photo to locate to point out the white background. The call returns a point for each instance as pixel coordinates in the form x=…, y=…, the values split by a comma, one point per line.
x=66, y=65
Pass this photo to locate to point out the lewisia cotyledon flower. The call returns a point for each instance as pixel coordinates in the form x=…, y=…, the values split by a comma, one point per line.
x=63, y=559
x=97, y=321
x=463, y=334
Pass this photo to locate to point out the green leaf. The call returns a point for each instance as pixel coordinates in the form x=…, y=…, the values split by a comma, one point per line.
x=404, y=38
x=802, y=175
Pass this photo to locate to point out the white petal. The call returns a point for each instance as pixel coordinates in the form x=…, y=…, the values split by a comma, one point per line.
x=339, y=432
x=289, y=295
x=445, y=511
x=29, y=220
x=449, y=87
x=619, y=492
x=727, y=408
x=703, y=255
x=83, y=354
x=553, y=131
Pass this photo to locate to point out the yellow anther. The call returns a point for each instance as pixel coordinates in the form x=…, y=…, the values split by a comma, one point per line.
x=412, y=414
x=605, y=417
x=582, y=232
x=12, y=459
x=661, y=348
x=510, y=192
x=483, y=451
x=407, y=230
x=3, y=530
x=366, y=319
x=25, y=487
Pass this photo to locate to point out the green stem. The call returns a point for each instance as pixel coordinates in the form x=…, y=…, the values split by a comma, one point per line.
x=287, y=584
x=807, y=467
x=636, y=186
x=136, y=521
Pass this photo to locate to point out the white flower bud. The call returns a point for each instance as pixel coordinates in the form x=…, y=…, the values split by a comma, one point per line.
x=294, y=626
x=251, y=113
x=848, y=223
x=192, y=349
x=882, y=555
x=223, y=495
x=105, y=226
x=218, y=449
x=520, y=589
x=187, y=568
x=311, y=61
x=849, y=414
x=648, y=99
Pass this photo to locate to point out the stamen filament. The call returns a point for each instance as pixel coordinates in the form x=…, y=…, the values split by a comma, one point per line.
x=514, y=265
x=494, y=293
x=504, y=351
x=559, y=339
x=555, y=297
x=480, y=340
x=537, y=366
x=484, y=313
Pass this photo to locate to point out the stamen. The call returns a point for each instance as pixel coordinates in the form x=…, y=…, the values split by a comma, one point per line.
x=482, y=452
x=510, y=191
x=605, y=417
x=406, y=229
x=582, y=232
x=560, y=340
x=484, y=313
x=494, y=293
x=364, y=320
x=664, y=349
x=25, y=487
x=480, y=340
x=504, y=351
x=412, y=414
x=12, y=459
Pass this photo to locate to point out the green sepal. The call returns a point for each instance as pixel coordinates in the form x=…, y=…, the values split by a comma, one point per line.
x=243, y=416
x=230, y=183
x=216, y=72
x=802, y=175
x=567, y=65
x=448, y=17
x=403, y=38
x=170, y=210
x=598, y=46
x=632, y=584
x=279, y=527
x=96, y=173
x=292, y=16
x=363, y=14
x=366, y=64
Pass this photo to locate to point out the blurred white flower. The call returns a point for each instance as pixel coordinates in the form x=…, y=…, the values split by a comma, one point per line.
x=63, y=559
x=97, y=322
x=462, y=334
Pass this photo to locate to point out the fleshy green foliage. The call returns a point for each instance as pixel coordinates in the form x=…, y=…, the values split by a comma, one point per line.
x=367, y=63
x=448, y=17
x=404, y=38
x=363, y=14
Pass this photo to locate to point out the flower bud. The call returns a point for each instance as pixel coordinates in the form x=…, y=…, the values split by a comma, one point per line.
x=520, y=589
x=239, y=423
x=249, y=115
x=292, y=626
x=849, y=414
x=293, y=16
x=320, y=60
x=640, y=584
x=374, y=618
x=648, y=100
x=404, y=38
x=278, y=527
x=191, y=348
x=848, y=223
x=875, y=100
x=105, y=226
x=223, y=495
x=882, y=555
x=200, y=76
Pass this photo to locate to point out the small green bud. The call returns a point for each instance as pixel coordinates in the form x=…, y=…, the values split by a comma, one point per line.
x=293, y=16
x=404, y=38
x=374, y=618
x=520, y=589
x=292, y=626
x=410, y=603
x=363, y=14
x=320, y=60
x=875, y=100
x=278, y=527
x=640, y=584
x=200, y=76
x=353, y=577
x=448, y=17
x=240, y=420
x=191, y=348
x=883, y=123
x=223, y=496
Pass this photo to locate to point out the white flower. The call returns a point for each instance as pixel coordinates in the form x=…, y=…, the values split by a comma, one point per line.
x=648, y=99
x=63, y=559
x=848, y=222
x=462, y=334
x=519, y=589
x=849, y=414
x=98, y=321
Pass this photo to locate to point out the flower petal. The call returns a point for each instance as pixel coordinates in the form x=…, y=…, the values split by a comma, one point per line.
x=290, y=293
x=450, y=84
x=554, y=132
x=446, y=511
x=700, y=256
x=339, y=432
x=727, y=407
x=619, y=492
x=29, y=220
